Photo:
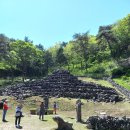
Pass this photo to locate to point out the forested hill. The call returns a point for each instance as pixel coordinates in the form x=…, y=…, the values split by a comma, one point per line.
x=103, y=55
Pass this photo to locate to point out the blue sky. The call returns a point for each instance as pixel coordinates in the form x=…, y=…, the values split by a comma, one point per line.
x=51, y=21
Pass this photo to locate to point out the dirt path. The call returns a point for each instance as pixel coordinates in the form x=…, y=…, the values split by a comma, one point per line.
x=31, y=122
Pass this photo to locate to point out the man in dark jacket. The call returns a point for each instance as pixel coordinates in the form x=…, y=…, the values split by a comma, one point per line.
x=42, y=111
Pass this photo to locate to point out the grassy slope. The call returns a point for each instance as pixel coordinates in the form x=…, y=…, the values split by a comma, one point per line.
x=97, y=81
x=8, y=81
x=123, y=81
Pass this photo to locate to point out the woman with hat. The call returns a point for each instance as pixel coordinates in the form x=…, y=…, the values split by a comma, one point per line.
x=18, y=116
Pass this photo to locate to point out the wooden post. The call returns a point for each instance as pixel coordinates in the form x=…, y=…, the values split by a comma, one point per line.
x=46, y=102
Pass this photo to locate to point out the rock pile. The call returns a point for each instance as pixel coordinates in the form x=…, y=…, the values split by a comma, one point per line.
x=62, y=125
x=108, y=123
x=62, y=84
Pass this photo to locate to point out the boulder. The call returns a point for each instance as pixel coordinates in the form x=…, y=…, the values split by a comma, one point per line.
x=62, y=125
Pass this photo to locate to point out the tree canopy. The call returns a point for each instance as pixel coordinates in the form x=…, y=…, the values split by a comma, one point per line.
x=85, y=54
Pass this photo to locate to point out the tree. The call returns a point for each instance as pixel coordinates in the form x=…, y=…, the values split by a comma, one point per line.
x=36, y=67
x=26, y=39
x=106, y=35
x=53, y=51
x=40, y=47
x=122, y=32
x=60, y=57
x=81, y=47
x=12, y=60
x=63, y=44
x=4, y=45
x=48, y=61
x=27, y=54
x=71, y=54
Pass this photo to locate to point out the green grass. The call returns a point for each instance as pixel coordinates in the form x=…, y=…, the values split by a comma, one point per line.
x=123, y=81
x=8, y=81
x=97, y=81
x=4, y=82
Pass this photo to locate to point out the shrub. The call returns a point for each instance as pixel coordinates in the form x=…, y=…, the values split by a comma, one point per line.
x=124, y=77
x=128, y=72
x=118, y=72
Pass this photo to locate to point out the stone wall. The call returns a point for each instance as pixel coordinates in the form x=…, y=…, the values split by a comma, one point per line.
x=120, y=88
x=108, y=123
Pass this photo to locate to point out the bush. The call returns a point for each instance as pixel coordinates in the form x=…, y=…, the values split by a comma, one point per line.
x=96, y=75
x=96, y=69
x=118, y=72
x=124, y=77
x=128, y=72
x=99, y=69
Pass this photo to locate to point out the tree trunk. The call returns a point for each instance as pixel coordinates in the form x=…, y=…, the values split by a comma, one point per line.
x=23, y=77
x=12, y=75
x=24, y=72
x=81, y=64
x=68, y=67
x=73, y=65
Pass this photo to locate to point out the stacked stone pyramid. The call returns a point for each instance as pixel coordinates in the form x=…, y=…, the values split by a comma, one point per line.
x=62, y=84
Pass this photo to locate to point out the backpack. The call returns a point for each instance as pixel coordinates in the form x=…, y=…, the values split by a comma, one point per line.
x=1, y=104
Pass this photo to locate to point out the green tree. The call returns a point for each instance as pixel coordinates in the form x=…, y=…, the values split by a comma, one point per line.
x=4, y=45
x=105, y=35
x=36, y=64
x=73, y=58
x=40, y=47
x=81, y=47
x=122, y=32
x=26, y=39
x=60, y=57
x=12, y=61
x=27, y=54
x=48, y=61
x=53, y=51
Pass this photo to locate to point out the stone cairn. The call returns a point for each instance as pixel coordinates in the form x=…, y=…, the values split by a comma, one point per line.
x=108, y=123
x=62, y=84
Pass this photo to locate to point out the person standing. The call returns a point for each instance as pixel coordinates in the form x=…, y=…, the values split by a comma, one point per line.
x=42, y=111
x=54, y=107
x=5, y=108
x=18, y=116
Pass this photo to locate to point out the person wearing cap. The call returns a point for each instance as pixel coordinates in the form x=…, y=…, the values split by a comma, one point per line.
x=18, y=116
x=5, y=108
